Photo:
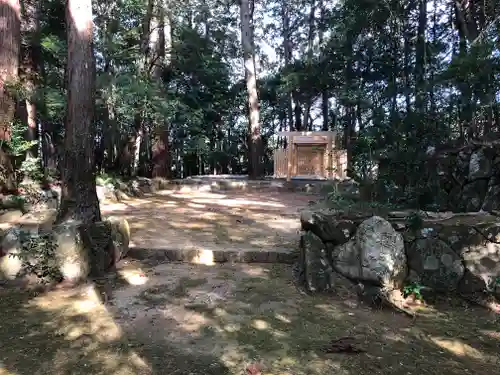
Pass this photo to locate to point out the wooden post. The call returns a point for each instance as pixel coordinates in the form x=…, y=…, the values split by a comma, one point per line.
x=289, y=158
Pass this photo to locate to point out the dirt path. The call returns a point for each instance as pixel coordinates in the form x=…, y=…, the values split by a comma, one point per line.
x=263, y=221
x=194, y=319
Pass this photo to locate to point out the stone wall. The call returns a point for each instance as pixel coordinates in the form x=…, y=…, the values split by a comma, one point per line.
x=444, y=252
x=468, y=178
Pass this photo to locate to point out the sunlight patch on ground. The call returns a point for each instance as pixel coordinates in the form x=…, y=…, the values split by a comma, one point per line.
x=184, y=195
x=5, y=372
x=260, y=324
x=205, y=257
x=190, y=225
x=458, y=348
x=80, y=315
x=134, y=276
x=331, y=310
x=196, y=205
x=282, y=318
x=187, y=321
x=492, y=334
x=236, y=202
x=194, y=221
x=393, y=336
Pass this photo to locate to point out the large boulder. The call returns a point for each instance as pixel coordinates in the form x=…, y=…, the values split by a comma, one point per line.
x=491, y=200
x=315, y=270
x=375, y=255
x=480, y=165
x=11, y=263
x=436, y=264
x=71, y=251
x=160, y=183
x=145, y=185
x=473, y=195
x=460, y=251
x=25, y=251
x=327, y=225
x=120, y=235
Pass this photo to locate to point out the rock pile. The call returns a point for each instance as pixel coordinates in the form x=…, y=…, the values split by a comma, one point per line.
x=119, y=190
x=444, y=252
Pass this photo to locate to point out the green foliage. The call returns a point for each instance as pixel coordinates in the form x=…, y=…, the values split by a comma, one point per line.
x=357, y=207
x=32, y=169
x=328, y=189
x=365, y=60
x=414, y=221
x=38, y=254
x=19, y=201
x=18, y=145
x=414, y=289
x=104, y=179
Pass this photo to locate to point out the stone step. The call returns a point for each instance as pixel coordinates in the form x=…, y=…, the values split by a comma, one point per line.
x=213, y=256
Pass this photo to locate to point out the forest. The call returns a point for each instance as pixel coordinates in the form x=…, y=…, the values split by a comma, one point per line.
x=269, y=279
x=166, y=88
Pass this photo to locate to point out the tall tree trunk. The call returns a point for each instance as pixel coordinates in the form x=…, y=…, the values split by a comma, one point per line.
x=30, y=26
x=287, y=47
x=350, y=117
x=407, y=67
x=325, y=105
x=160, y=149
x=110, y=135
x=130, y=153
x=79, y=198
x=310, y=55
x=420, y=102
x=254, y=139
x=465, y=104
x=10, y=41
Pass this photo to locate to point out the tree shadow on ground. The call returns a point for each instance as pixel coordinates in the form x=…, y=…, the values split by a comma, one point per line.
x=65, y=332
x=175, y=221
x=451, y=341
x=261, y=317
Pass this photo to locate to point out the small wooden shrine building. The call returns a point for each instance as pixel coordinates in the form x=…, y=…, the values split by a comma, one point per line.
x=310, y=155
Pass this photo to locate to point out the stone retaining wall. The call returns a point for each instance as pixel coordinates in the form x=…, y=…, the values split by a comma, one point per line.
x=468, y=178
x=445, y=252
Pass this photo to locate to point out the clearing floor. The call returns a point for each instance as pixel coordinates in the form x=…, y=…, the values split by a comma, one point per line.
x=180, y=318
x=264, y=221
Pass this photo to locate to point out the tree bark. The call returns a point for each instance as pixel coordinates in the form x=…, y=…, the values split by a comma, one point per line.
x=10, y=41
x=420, y=86
x=79, y=198
x=30, y=66
x=254, y=139
x=160, y=150
x=310, y=54
x=287, y=48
